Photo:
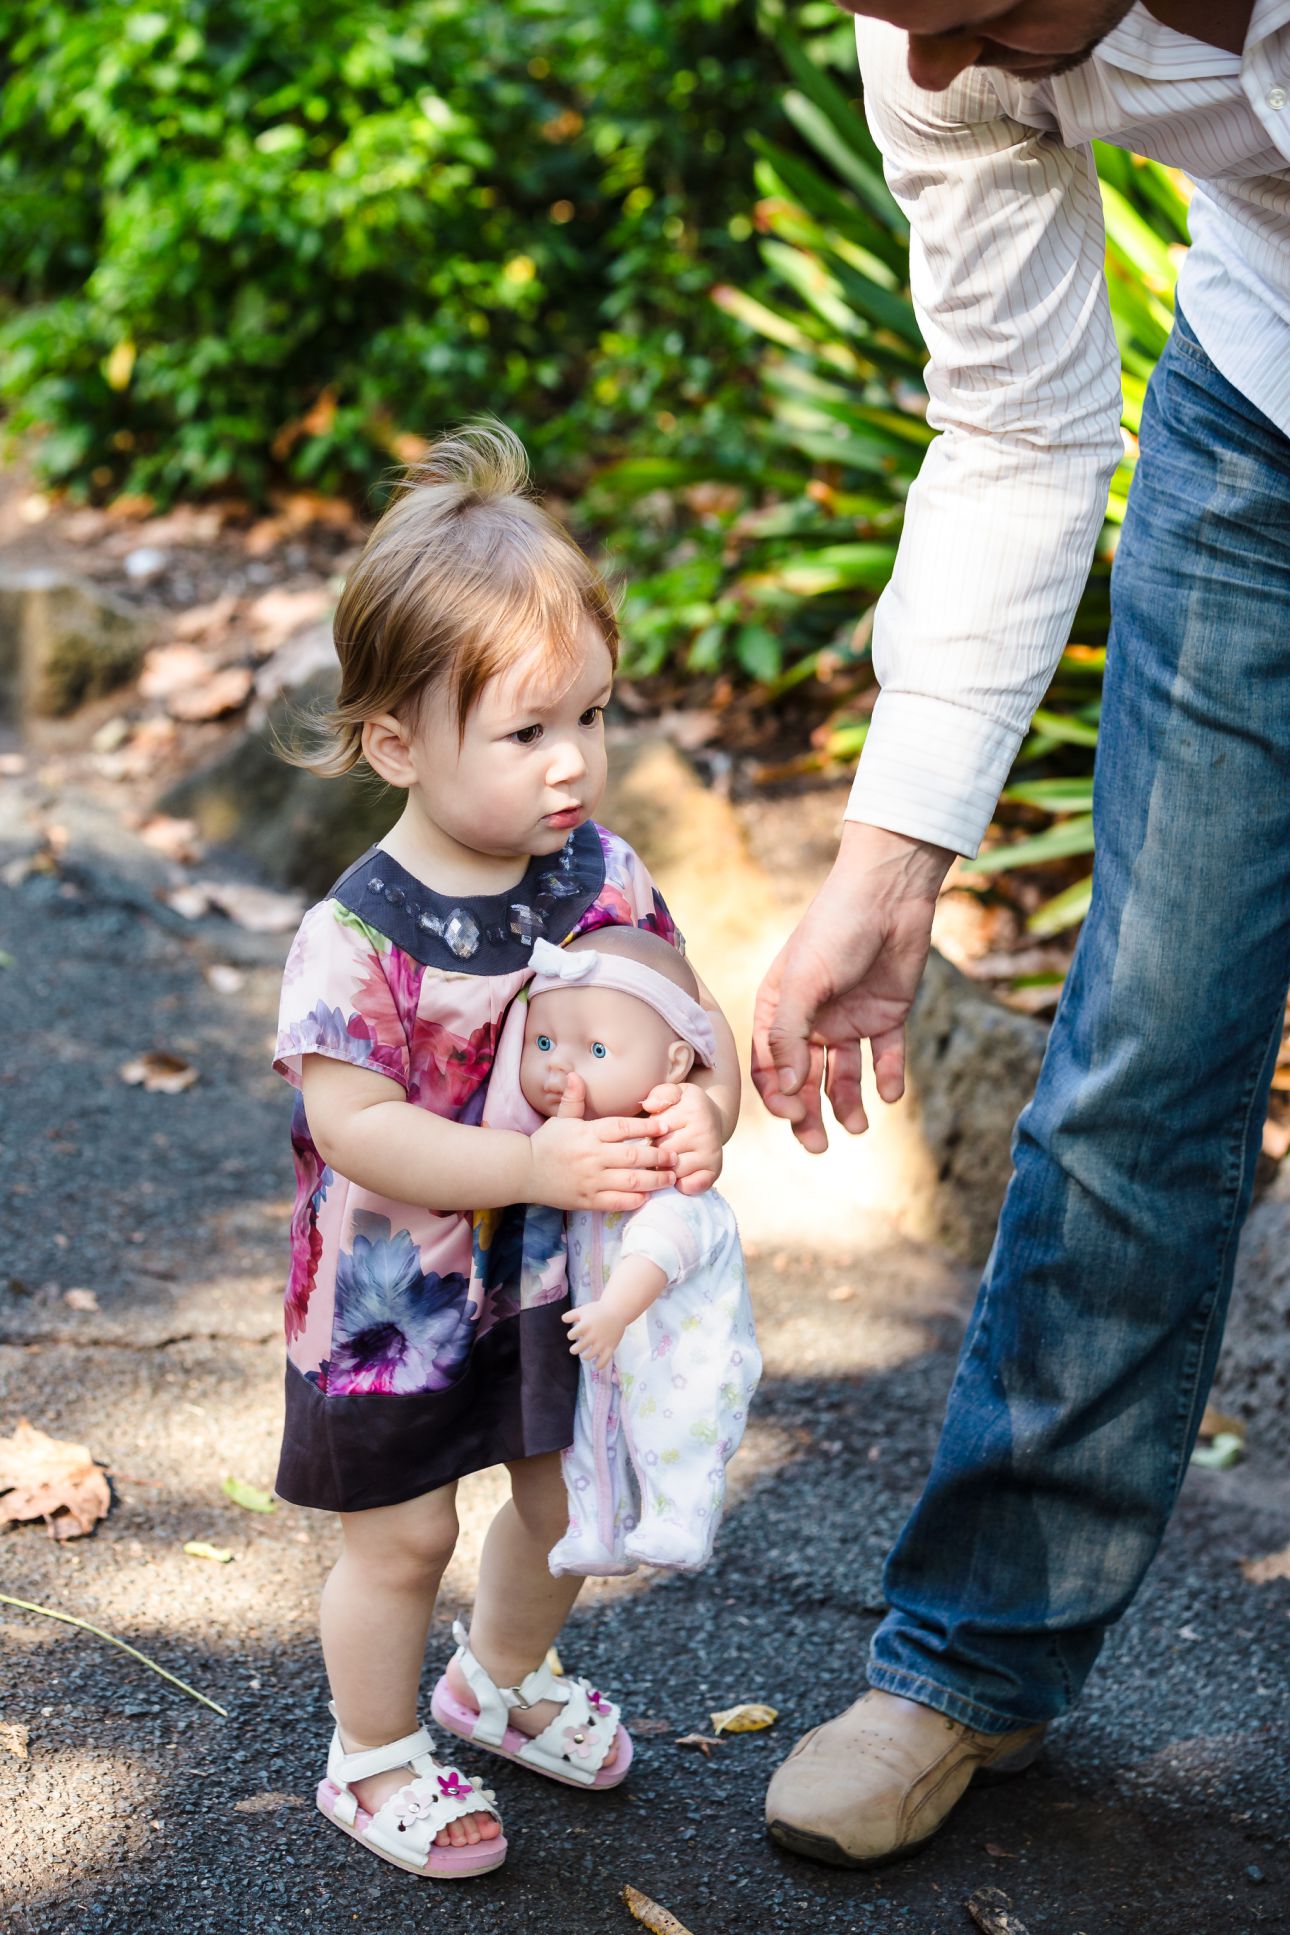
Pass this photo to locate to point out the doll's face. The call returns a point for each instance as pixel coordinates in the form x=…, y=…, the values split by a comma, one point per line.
x=621, y=1047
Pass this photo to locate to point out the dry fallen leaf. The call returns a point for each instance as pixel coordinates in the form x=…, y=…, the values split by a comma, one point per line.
x=661, y=1920
x=198, y=1549
x=647, y=1724
x=50, y=1478
x=1215, y=1423
x=80, y=1300
x=177, y=839
x=1000, y=1854
x=168, y=669
x=553, y=1661
x=159, y=1072
x=13, y=1739
x=993, y=1914
x=226, y=691
x=258, y=909
x=842, y=1293
x=750, y=1718
x=705, y=1742
x=1260, y=1572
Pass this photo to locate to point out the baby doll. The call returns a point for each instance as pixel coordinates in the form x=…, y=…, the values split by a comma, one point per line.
x=662, y=1320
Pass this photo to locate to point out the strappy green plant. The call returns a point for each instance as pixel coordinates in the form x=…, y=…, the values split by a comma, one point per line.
x=775, y=585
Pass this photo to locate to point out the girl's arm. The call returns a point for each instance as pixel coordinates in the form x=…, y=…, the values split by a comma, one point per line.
x=364, y=1128
x=721, y=1084
x=596, y=1330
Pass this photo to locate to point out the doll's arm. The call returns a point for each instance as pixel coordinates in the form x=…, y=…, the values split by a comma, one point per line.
x=364, y=1127
x=699, y=1115
x=596, y=1330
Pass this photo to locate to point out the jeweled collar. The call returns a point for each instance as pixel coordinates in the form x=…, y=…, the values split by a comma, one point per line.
x=476, y=933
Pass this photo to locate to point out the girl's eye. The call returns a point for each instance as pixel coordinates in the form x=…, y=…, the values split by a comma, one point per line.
x=599, y=1050
x=527, y=735
x=590, y=716
x=545, y=1044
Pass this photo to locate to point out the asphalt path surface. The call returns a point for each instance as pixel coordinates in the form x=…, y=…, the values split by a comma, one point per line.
x=1159, y=1806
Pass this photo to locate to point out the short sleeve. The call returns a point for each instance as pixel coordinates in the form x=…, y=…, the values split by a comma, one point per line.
x=337, y=998
x=672, y=1231
x=629, y=897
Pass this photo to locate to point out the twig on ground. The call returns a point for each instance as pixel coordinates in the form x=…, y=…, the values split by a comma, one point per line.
x=49, y=1612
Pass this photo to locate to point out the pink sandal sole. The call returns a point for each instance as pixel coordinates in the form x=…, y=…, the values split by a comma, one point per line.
x=456, y=1718
x=444, y=1864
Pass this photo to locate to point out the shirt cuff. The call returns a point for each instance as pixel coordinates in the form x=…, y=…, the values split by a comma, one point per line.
x=932, y=769
x=655, y=1248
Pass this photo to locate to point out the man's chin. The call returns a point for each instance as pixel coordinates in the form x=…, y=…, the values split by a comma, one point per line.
x=1048, y=70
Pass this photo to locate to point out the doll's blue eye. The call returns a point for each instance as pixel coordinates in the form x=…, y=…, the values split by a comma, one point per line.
x=599, y=1050
x=545, y=1043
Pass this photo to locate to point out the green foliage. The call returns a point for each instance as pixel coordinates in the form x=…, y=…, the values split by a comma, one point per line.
x=801, y=551
x=248, y=239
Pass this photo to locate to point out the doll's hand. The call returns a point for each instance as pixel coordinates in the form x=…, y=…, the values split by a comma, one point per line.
x=594, y=1333
x=693, y=1129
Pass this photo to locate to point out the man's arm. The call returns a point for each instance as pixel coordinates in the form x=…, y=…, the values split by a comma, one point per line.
x=1006, y=267
x=1006, y=271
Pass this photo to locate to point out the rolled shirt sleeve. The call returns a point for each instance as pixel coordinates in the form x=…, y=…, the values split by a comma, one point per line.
x=1007, y=278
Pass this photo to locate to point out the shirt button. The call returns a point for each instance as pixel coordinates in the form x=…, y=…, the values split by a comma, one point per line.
x=1277, y=98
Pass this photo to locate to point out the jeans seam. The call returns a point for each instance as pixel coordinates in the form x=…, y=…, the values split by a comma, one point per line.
x=955, y=1706
x=1191, y=1398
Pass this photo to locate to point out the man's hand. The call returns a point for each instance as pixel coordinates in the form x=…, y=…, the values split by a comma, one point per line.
x=615, y=1163
x=595, y=1332
x=849, y=971
x=693, y=1128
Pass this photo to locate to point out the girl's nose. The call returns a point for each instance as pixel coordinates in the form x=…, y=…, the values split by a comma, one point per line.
x=566, y=765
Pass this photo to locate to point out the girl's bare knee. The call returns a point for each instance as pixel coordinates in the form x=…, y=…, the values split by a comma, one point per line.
x=404, y=1545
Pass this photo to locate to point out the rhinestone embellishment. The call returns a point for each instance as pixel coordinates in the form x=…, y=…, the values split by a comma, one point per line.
x=460, y=933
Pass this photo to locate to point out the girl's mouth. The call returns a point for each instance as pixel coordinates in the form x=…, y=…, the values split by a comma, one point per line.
x=567, y=816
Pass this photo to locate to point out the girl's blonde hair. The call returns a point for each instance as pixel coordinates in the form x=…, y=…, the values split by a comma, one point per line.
x=462, y=575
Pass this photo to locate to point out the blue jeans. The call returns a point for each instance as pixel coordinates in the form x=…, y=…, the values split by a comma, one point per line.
x=1084, y=1369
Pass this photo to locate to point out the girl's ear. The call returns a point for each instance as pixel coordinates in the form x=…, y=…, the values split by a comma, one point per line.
x=680, y=1060
x=385, y=748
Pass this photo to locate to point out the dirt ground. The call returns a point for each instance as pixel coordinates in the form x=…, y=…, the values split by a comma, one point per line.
x=1159, y=1807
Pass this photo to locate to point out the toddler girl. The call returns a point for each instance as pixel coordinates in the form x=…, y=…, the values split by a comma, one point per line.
x=477, y=647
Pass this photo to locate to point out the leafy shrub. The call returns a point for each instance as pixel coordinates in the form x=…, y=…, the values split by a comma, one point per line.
x=773, y=576
x=242, y=239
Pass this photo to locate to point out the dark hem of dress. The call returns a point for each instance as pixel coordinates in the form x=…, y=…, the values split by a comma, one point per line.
x=354, y=1453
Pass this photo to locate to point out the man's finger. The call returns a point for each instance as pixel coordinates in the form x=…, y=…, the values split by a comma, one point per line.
x=889, y=1064
x=809, y=1128
x=843, y=1087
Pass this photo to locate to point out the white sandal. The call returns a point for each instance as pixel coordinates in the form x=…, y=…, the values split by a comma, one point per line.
x=571, y=1749
x=403, y=1829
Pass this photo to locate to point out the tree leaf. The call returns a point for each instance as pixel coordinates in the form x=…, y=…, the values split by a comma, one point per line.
x=53, y=1479
x=750, y=1718
x=249, y=1497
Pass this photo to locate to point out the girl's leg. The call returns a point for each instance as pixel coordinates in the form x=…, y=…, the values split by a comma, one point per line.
x=519, y=1606
x=376, y=1609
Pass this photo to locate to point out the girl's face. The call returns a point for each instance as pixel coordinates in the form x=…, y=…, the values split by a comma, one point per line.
x=621, y=1047
x=530, y=765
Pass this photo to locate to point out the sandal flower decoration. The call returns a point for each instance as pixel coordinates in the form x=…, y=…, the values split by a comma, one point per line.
x=597, y=1700
x=453, y=1787
x=577, y=1744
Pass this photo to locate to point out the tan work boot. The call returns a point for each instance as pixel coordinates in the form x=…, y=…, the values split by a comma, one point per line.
x=878, y=1781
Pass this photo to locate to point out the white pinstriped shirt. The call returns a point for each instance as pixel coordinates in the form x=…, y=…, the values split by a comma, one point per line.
x=1006, y=268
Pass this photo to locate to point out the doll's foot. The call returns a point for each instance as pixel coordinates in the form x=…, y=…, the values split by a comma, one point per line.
x=526, y=1720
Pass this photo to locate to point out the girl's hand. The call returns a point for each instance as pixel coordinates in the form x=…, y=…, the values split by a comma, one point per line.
x=594, y=1333
x=692, y=1133
x=615, y=1163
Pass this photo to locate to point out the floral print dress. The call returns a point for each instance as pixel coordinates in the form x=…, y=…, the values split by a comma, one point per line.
x=424, y=1344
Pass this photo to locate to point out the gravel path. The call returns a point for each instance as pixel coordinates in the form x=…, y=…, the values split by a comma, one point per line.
x=1159, y=1807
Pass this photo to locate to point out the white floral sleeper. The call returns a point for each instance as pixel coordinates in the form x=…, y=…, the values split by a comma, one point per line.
x=654, y=1431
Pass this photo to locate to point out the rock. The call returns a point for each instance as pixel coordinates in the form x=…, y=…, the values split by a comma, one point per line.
x=972, y=1067
x=62, y=642
x=937, y=1163
x=145, y=563
x=1253, y=1378
x=301, y=831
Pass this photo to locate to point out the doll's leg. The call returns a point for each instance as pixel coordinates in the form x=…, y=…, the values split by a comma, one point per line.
x=519, y=1605
x=673, y=1439
x=598, y=1483
x=376, y=1609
